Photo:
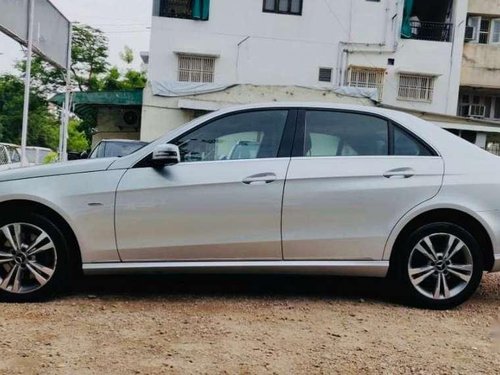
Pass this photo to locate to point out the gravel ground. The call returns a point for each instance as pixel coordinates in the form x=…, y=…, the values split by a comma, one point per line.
x=247, y=324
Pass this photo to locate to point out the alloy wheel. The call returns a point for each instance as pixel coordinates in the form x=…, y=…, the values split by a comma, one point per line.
x=28, y=258
x=440, y=266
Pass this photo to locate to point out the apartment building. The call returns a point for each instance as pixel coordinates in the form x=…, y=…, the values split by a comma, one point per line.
x=480, y=79
x=207, y=54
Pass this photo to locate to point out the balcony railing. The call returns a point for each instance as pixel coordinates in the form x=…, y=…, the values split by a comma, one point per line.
x=176, y=9
x=435, y=31
x=186, y=9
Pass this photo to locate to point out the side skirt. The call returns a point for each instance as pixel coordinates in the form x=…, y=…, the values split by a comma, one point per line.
x=338, y=268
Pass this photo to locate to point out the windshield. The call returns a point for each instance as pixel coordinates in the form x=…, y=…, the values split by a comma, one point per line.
x=112, y=149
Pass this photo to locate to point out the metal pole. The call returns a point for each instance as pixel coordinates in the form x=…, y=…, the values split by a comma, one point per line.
x=27, y=84
x=67, y=100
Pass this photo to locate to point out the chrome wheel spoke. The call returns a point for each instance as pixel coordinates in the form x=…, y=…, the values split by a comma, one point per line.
x=6, y=281
x=446, y=289
x=425, y=252
x=461, y=267
x=428, y=242
x=3, y=254
x=6, y=260
x=437, y=291
x=17, y=235
x=43, y=236
x=17, y=280
x=38, y=276
x=462, y=276
x=420, y=279
x=8, y=235
x=35, y=250
x=417, y=271
x=41, y=268
x=455, y=250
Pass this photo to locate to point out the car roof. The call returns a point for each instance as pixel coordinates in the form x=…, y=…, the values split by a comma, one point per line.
x=123, y=141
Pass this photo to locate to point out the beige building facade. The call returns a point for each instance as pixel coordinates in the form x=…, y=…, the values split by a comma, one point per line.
x=480, y=78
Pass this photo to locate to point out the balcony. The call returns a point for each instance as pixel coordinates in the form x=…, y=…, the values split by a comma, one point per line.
x=185, y=9
x=434, y=31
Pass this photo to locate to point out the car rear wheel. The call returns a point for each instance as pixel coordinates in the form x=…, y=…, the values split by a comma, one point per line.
x=33, y=258
x=441, y=266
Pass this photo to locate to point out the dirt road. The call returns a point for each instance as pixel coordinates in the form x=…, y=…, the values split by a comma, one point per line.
x=247, y=324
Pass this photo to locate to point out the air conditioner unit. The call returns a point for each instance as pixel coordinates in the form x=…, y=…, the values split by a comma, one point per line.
x=470, y=33
x=131, y=118
x=477, y=111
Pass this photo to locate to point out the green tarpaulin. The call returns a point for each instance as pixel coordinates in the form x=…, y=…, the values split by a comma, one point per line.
x=102, y=97
x=85, y=104
x=201, y=9
x=407, y=12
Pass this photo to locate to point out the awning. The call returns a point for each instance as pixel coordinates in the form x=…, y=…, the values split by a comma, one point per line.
x=111, y=98
x=84, y=103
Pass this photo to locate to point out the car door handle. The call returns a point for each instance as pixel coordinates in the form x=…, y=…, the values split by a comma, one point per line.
x=260, y=179
x=400, y=173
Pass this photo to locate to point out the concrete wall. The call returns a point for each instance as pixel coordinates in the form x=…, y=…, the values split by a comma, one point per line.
x=162, y=114
x=110, y=125
x=481, y=65
x=486, y=7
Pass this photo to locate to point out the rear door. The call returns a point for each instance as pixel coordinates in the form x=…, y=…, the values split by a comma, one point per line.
x=351, y=178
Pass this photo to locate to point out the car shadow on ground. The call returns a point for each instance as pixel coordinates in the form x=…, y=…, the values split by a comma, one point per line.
x=237, y=286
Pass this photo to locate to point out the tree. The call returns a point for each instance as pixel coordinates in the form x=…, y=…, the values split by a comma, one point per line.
x=129, y=80
x=43, y=122
x=44, y=125
x=90, y=71
x=89, y=55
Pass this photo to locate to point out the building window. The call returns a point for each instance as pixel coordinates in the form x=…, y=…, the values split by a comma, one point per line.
x=195, y=68
x=416, y=87
x=186, y=9
x=486, y=30
x=495, y=31
x=366, y=77
x=359, y=76
x=283, y=6
x=479, y=106
x=325, y=75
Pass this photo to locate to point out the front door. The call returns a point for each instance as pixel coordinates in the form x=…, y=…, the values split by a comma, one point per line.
x=352, y=178
x=222, y=202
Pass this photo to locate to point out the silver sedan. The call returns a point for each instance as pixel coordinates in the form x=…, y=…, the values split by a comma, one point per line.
x=280, y=188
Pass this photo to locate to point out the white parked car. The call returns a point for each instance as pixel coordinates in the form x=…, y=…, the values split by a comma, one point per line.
x=330, y=189
x=9, y=157
x=36, y=155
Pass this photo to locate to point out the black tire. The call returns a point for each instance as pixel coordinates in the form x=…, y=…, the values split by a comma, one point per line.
x=61, y=277
x=438, y=232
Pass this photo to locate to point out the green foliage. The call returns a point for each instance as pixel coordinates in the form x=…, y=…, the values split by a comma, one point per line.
x=77, y=141
x=44, y=126
x=89, y=55
x=90, y=71
x=127, y=55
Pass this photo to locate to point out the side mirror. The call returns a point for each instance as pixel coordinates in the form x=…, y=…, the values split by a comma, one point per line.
x=164, y=155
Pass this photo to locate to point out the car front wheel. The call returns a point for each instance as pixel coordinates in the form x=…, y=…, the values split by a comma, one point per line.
x=33, y=258
x=441, y=266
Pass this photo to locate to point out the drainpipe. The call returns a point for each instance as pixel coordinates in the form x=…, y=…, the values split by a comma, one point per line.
x=238, y=58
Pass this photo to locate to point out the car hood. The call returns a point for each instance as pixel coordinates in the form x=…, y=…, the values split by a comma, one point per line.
x=71, y=167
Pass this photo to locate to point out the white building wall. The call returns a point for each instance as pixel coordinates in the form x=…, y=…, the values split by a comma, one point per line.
x=260, y=48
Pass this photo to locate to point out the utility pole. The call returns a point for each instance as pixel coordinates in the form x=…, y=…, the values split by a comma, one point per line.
x=27, y=84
